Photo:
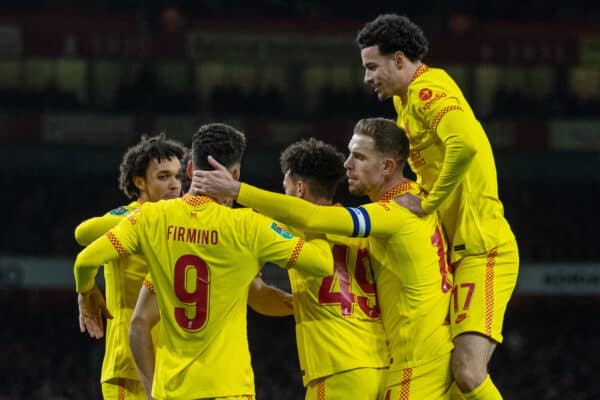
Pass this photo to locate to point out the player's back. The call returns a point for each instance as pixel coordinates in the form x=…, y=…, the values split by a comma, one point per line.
x=338, y=324
x=202, y=257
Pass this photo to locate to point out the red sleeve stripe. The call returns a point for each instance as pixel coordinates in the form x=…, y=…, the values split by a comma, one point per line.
x=405, y=384
x=321, y=389
x=295, y=254
x=121, y=390
x=115, y=242
x=438, y=117
x=149, y=284
x=489, y=291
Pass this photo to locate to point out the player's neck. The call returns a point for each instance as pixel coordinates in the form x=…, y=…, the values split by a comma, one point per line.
x=409, y=75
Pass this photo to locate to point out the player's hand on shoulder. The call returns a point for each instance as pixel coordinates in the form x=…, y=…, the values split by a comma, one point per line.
x=412, y=202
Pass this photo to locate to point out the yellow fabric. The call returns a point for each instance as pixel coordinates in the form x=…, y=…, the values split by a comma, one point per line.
x=123, y=389
x=202, y=257
x=356, y=384
x=123, y=280
x=453, y=160
x=338, y=324
x=483, y=285
x=409, y=268
x=485, y=391
x=424, y=382
x=91, y=229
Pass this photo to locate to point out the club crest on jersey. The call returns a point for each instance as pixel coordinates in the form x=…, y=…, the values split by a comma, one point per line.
x=425, y=94
x=119, y=211
x=280, y=231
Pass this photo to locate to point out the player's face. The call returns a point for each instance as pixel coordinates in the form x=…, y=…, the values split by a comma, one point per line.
x=381, y=72
x=364, y=167
x=163, y=180
x=289, y=186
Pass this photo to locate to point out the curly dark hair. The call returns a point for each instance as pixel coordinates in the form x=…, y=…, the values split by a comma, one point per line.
x=225, y=143
x=321, y=164
x=391, y=33
x=388, y=137
x=138, y=157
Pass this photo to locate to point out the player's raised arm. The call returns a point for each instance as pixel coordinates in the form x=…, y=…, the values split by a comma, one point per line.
x=93, y=228
x=116, y=243
x=271, y=243
x=88, y=261
x=299, y=213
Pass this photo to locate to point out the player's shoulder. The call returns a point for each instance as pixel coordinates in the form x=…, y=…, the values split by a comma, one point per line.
x=246, y=215
x=124, y=209
x=434, y=83
x=244, y=212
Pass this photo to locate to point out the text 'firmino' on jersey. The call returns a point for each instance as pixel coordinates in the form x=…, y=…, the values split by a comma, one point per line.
x=192, y=235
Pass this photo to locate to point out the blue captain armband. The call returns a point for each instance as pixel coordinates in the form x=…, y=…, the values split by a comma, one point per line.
x=361, y=221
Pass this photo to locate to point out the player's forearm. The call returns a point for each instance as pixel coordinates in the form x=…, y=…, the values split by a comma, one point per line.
x=296, y=212
x=314, y=258
x=89, y=261
x=460, y=151
x=142, y=348
x=269, y=300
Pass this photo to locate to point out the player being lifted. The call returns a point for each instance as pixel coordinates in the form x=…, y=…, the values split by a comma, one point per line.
x=453, y=160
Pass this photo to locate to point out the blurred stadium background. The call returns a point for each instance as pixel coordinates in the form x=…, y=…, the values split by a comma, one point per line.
x=81, y=81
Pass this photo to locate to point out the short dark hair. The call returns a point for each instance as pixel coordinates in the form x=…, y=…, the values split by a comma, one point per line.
x=321, y=164
x=138, y=157
x=388, y=137
x=225, y=143
x=391, y=33
x=185, y=179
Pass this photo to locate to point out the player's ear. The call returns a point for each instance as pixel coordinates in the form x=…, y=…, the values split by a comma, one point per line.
x=235, y=173
x=190, y=169
x=389, y=166
x=140, y=183
x=399, y=59
x=301, y=188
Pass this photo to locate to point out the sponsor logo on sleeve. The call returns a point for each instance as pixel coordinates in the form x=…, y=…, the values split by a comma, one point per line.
x=278, y=229
x=431, y=102
x=119, y=211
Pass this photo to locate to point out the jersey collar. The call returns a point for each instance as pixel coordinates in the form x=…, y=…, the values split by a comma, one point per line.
x=197, y=200
x=420, y=71
x=398, y=190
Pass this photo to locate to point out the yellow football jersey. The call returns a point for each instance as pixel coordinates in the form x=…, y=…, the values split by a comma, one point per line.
x=123, y=280
x=338, y=324
x=408, y=258
x=202, y=257
x=434, y=113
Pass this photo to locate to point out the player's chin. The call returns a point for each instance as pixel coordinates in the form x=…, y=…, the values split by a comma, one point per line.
x=355, y=190
x=382, y=96
x=170, y=196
